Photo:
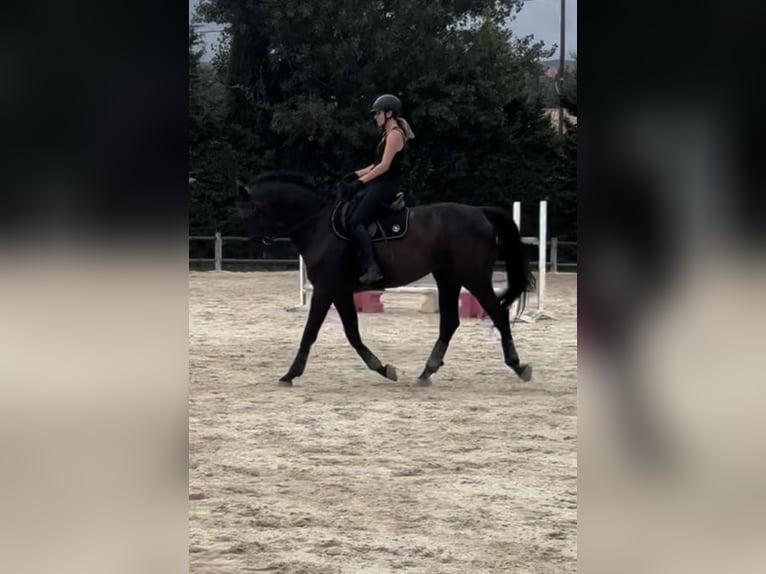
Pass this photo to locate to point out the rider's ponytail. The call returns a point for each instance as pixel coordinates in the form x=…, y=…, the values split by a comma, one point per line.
x=405, y=126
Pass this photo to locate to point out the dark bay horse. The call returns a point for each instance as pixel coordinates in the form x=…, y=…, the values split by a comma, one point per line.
x=457, y=244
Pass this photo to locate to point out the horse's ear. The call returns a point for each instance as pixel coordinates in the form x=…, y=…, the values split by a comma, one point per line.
x=244, y=193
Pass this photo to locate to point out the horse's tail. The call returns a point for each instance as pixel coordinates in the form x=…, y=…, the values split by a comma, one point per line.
x=520, y=278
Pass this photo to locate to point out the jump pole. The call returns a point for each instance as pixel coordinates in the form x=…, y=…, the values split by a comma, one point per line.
x=302, y=269
x=542, y=245
x=541, y=254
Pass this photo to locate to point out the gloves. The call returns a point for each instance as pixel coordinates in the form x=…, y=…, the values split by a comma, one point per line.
x=349, y=178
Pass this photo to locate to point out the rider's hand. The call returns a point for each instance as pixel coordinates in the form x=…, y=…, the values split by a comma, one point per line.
x=350, y=177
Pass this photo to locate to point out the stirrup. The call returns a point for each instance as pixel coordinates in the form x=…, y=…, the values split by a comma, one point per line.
x=372, y=275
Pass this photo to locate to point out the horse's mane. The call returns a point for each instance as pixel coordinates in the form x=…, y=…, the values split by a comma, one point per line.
x=293, y=177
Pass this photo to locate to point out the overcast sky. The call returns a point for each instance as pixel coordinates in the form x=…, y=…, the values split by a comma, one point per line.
x=540, y=18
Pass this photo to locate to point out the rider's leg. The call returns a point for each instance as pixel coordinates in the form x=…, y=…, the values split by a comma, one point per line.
x=372, y=272
x=364, y=214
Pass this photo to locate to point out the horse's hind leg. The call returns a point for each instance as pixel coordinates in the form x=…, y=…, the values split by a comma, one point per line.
x=449, y=321
x=348, y=316
x=486, y=297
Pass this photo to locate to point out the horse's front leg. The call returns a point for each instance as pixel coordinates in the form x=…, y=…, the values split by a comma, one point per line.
x=320, y=304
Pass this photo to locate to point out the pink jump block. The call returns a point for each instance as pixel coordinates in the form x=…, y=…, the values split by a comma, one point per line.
x=368, y=302
x=470, y=307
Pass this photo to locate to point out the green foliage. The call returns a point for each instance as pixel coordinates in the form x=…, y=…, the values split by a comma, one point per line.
x=292, y=85
x=562, y=202
x=211, y=157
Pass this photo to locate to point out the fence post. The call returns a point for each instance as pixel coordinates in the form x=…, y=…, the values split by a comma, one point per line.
x=218, y=250
x=554, y=254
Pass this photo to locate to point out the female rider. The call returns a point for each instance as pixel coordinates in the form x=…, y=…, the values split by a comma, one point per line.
x=380, y=181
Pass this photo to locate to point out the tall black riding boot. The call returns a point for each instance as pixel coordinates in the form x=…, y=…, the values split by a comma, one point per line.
x=372, y=272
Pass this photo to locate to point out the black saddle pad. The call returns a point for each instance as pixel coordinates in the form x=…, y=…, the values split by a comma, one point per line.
x=388, y=225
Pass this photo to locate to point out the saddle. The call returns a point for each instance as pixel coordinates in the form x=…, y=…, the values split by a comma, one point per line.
x=391, y=222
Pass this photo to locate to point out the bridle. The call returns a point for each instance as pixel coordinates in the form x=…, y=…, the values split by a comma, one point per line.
x=269, y=239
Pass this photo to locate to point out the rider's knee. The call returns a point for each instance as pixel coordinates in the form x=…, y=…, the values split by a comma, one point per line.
x=356, y=223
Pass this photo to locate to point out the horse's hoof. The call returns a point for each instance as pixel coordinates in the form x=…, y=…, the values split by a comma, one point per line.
x=423, y=382
x=391, y=373
x=525, y=372
x=283, y=382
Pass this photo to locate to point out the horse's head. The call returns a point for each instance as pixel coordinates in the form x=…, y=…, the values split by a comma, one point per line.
x=276, y=203
x=254, y=212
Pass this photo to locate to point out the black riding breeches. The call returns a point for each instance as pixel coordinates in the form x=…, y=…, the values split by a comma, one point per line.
x=377, y=192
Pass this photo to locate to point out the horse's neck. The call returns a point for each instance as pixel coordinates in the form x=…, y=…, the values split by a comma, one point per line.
x=303, y=236
x=301, y=215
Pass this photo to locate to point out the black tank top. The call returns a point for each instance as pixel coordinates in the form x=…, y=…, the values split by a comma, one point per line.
x=394, y=170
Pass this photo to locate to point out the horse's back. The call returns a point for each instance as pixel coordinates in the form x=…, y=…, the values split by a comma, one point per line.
x=452, y=218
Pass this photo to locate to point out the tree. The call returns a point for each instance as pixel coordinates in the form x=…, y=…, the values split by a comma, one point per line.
x=212, y=163
x=301, y=76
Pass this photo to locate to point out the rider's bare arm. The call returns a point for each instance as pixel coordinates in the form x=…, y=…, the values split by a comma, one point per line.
x=364, y=170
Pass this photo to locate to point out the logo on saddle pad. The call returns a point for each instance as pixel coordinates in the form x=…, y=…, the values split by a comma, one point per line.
x=387, y=225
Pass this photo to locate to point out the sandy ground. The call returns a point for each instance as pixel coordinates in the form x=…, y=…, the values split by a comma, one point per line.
x=350, y=473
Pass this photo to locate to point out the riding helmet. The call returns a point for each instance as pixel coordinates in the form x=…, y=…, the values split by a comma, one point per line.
x=387, y=102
